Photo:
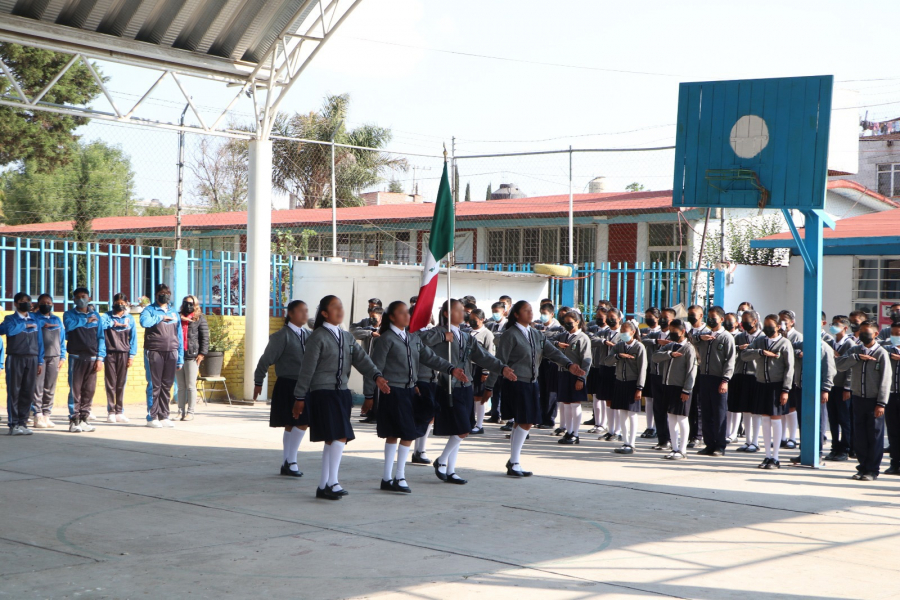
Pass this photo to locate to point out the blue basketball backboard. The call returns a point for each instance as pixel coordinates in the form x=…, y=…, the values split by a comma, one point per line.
x=753, y=143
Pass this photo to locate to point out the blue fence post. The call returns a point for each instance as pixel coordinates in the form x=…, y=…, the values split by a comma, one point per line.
x=180, y=282
x=718, y=287
x=567, y=290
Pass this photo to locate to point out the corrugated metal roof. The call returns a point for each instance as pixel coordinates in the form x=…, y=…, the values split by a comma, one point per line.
x=222, y=36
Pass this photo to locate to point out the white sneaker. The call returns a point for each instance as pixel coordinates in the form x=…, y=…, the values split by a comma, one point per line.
x=154, y=424
x=87, y=427
x=48, y=423
x=111, y=418
x=90, y=416
x=167, y=423
x=24, y=430
x=30, y=421
x=40, y=422
x=122, y=419
x=74, y=427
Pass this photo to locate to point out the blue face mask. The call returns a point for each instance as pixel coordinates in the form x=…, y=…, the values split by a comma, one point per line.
x=497, y=316
x=625, y=337
x=834, y=329
x=895, y=340
x=545, y=317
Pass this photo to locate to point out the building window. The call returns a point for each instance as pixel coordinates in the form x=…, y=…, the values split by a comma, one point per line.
x=668, y=243
x=889, y=179
x=875, y=280
x=540, y=244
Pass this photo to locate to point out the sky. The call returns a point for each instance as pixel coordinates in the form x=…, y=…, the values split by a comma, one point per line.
x=506, y=76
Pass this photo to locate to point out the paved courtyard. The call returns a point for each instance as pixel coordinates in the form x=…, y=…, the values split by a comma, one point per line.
x=200, y=512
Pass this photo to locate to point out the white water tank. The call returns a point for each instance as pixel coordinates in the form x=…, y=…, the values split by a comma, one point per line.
x=597, y=185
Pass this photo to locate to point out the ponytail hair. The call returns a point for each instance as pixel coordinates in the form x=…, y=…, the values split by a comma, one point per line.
x=444, y=316
x=323, y=306
x=388, y=313
x=291, y=306
x=514, y=311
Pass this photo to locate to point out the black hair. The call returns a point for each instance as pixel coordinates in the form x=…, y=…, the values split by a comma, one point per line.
x=669, y=310
x=563, y=311
x=771, y=317
x=377, y=310
x=118, y=297
x=824, y=317
x=842, y=319
x=718, y=311
x=375, y=301
x=652, y=311
x=895, y=304
x=504, y=298
x=732, y=315
x=323, y=306
x=81, y=290
x=629, y=324
x=477, y=313
x=470, y=306
x=577, y=317
x=413, y=299
x=548, y=306
x=752, y=314
x=695, y=307
x=546, y=301
x=291, y=306
x=871, y=324
x=859, y=313
x=20, y=296
x=514, y=311
x=444, y=316
x=749, y=305
x=162, y=288
x=388, y=313
x=496, y=305
x=614, y=312
x=45, y=295
x=788, y=313
x=677, y=324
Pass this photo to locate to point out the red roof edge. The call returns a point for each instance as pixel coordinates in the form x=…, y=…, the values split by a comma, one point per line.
x=847, y=184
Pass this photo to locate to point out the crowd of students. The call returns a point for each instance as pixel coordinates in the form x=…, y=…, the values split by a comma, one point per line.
x=38, y=343
x=714, y=377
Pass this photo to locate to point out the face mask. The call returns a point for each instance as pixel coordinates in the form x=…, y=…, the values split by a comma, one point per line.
x=612, y=322
x=866, y=338
x=854, y=327
x=163, y=298
x=568, y=325
x=664, y=323
x=769, y=330
x=740, y=313
x=783, y=325
x=895, y=340
x=747, y=326
x=625, y=337
x=188, y=307
x=835, y=329
x=497, y=316
x=121, y=307
x=545, y=317
x=600, y=321
x=81, y=302
x=23, y=307
x=651, y=322
x=693, y=320
x=728, y=325
x=676, y=337
x=895, y=316
x=45, y=309
x=712, y=322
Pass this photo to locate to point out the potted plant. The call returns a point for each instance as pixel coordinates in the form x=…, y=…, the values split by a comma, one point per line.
x=138, y=307
x=219, y=344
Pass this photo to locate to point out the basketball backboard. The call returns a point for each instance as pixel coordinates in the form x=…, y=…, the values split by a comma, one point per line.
x=753, y=143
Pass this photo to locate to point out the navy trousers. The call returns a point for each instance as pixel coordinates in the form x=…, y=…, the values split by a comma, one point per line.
x=892, y=423
x=868, y=435
x=660, y=410
x=713, y=411
x=839, y=421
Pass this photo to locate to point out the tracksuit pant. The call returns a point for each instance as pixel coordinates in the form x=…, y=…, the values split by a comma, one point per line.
x=868, y=435
x=82, y=386
x=115, y=376
x=45, y=387
x=713, y=411
x=21, y=375
x=160, y=367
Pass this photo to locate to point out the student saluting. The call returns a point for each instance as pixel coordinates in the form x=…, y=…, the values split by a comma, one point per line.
x=677, y=363
x=571, y=392
x=629, y=358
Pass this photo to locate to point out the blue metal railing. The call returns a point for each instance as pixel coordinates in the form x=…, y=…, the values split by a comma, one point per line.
x=220, y=278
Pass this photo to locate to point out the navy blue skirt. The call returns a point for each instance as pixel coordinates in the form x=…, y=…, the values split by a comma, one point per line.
x=396, y=418
x=424, y=406
x=607, y=383
x=477, y=383
x=742, y=393
x=282, y=407
x=329, y=415
x=768, y=400
x=623, y=397
x=459, y=418
x=524, y=398
x=671, y=395
x=795, y=397
x=593, y=380
x=565, y=389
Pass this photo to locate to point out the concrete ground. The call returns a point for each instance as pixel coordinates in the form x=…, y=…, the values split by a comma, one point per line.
x=200, y=512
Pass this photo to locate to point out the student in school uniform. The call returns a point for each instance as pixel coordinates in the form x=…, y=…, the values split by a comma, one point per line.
x=86, y=349
x=828, y=370
x=839, y=403
x=285, y=350
x=660, y=410
x=322, y=389
x=397, y=354
x=857, y=318
x=571, y=392
x=498, y=317
x=629, y=358
x=24, y=361
x=649, y=337
x=742, y=387
x=54, y=337
x=715, y=351
x=607, y=375
x=774, y=357
x=523, y=347
x=547, y=318
x=484, y=337
x=596, y=332
x=677, y=363
x=548, y=381
x=120, y=337
x=695, y=419
x=366, y=332
x=731, y=324
x=791, y=431
x=892, y=410
x=870, y=380
x=163, y=354
x=885, y=334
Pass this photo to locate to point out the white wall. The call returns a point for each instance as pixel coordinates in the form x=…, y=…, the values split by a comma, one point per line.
x=764, y=287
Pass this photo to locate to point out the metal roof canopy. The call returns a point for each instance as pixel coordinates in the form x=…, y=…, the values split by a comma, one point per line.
x=262, y=46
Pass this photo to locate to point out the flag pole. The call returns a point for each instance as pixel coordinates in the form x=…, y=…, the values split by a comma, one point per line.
x=449, y=254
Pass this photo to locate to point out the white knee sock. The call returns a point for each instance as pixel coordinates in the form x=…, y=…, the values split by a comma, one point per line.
x=575, y=415
x=792, y=425
x=613, y=420
x=390, y=451
x=452, y=444
x=599, y=417
x=673, y=431
x=285, y=446
x=422, y=442
x=683, y=429
x=649, y=409
x=767, y=435
x=451, y=460
x=326, y=467
x=751, y=424
x=632, y=427
x=563, y=414
x=776, y=436
x=402, y=455
x=337, y=451
x=295, y=437
x=479, y=415
x=516, y=441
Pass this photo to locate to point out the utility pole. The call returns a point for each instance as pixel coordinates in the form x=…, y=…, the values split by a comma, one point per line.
x=178, y=197
x=333, y=201
x=454, y=182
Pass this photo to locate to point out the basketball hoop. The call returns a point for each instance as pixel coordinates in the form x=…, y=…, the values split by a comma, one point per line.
x=727, y=178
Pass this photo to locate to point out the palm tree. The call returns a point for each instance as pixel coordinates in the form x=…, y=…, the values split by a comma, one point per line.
x=304, y=169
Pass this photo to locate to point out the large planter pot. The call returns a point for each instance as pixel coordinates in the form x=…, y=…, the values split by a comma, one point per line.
x=212, y=364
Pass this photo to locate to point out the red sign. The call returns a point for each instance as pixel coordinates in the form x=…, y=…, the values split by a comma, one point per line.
x=884, y=313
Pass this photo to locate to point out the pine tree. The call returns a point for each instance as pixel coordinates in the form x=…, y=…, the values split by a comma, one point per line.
x=468, y=194
x=489, y=192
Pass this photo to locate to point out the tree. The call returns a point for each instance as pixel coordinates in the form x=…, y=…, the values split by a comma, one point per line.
x=490, y=191
x=739, y=234
x=468, y=193
x=395, y=187
x=304, y=169
x=634, y=187
x=96, y=182
x=220, y=170
x=43, y=138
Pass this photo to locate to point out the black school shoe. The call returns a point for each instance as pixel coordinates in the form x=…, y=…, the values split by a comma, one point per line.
x=387, y=486
x=773, y=464
x=868, y=477
x=286, y=470
x=437, y=471
x=692, y=443
x=418, y=460
x=648, y=433
x=590, y=421
x=494, y=420
x=508, y=426
x=566, y=439
x=764, y=464
x=624, y=450
x=457, y=480
x=892, y=471
x=706, y=451
x=327, y=493
x=396, y=487
x=477, y=431
x=516, y=472
x=560, y=431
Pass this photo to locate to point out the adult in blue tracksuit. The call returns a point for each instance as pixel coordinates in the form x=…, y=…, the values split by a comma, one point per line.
x=54, y=337
x=87, y=349
x=24, y=360
x=163, y=354
x=120, y=335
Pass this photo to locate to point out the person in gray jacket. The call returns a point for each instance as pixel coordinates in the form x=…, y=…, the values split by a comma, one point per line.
x=629, y=358
x=285, y=350
x=571, y=392
x=774, y=357
x=322, y=389
x=677, y=362
x=870, y=382
x=839, y=402
x=742, y=387
x=398, y=354
x=715, y=351
x=195, y=330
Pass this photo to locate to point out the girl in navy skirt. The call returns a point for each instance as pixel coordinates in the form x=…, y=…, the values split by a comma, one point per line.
x=607, y=382
x=322, y=389
x=774, y=357
x=285, y=350
x=677, y=362
x=571, y=391
x=397, y=354
x=485, y=337
x=597, y=334
x=742, y=387
x=630, y=361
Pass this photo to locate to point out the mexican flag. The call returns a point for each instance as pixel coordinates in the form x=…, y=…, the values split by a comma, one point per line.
x=440, y=244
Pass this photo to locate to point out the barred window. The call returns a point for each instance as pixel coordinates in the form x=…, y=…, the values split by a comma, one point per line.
x=540, y=244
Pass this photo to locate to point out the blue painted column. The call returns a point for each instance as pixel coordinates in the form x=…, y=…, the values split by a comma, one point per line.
x=567, y=290
x=810, y=436
x=180, y=282
x=719, y=287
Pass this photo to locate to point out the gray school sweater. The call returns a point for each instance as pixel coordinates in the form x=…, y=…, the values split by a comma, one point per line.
x=827, y=364
x=868, y=378
x=399, y=360
x=327, y=361
x=741, y=366
x=769, y=369
x=649, y=339
x=285, y=350
x=678, y=371
x=841, y=348
x=464, y=350
x=579, y=350
x=598, y=344
x=523, y=355
x=629, y=369
x=716, y=356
